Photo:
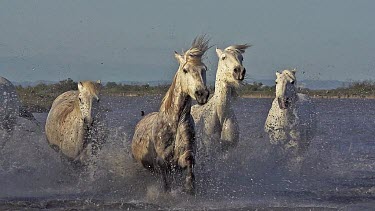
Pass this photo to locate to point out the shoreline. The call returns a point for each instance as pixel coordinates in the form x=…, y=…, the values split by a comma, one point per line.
x=255, y=96
x=36, y=107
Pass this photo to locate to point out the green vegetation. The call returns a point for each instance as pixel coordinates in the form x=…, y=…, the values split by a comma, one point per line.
x=257, y=90
x=364, y=89
x=113, y=88
x=39, y=98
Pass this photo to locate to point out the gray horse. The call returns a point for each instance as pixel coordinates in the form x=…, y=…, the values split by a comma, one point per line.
x=165, y=141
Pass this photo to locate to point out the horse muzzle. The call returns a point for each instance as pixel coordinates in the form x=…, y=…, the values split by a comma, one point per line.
x=201, y=96
x=88, y=121
x=239, y=74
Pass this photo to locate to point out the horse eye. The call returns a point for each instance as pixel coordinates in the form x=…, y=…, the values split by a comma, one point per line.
x=80, y=100
x=185, y=70
x=275, y=82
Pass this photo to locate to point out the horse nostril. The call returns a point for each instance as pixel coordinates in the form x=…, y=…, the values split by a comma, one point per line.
x=198, y=93
x=236, y=70
x=244, y=71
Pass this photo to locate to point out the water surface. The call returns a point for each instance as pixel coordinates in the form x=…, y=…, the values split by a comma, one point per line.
x=338, y=172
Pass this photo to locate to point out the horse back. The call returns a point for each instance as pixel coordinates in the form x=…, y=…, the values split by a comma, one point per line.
x=142, y=145
x=62, y=106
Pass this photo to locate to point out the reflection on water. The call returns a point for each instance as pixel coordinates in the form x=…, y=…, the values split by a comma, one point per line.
x=337, y=172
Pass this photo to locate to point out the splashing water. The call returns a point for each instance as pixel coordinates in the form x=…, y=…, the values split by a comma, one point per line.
x=337, y=171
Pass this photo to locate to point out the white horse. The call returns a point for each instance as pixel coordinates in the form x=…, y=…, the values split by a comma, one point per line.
x=216, y=122
x=291, y=121
x=10, y=109
x=71, y=122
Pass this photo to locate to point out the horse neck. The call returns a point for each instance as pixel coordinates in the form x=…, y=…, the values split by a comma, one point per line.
x=176, y=104
x=76, y=110
x=224, y=93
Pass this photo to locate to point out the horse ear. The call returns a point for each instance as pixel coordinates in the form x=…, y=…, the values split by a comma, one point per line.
x=80, y=86
x=277, y=74
x=179, y=57
x=98, y=81
x=219, y=53
x=294, y=71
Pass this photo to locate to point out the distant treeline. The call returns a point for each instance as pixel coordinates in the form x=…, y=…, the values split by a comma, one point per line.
x=363, y=89
x=39, y=98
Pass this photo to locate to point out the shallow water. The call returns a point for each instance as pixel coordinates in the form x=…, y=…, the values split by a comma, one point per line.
x=338, y=171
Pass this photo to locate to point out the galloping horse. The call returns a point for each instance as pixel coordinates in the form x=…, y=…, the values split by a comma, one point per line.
x=70, y=121
x=165, y=141
x=216, y=119
x=10, y=109
x=291, y=121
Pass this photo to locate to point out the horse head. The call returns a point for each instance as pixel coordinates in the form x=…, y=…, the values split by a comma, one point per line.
x=230, y=68
x=286, y=88
x=192, y=71
x=88, y=95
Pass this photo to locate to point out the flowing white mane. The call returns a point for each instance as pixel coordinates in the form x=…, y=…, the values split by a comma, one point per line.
x=240, y=49
x=199, y=46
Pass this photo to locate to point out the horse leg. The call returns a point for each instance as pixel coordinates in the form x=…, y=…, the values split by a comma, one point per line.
x=163, y=169
x=187, y=161
x=229, y=134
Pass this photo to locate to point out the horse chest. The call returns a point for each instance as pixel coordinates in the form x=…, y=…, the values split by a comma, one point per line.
x=164, y=134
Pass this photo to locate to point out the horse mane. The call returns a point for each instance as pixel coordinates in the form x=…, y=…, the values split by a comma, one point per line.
x=198, y=47
x=93, y=87
x=167, y=100
x=238, y=48
x=67, y=102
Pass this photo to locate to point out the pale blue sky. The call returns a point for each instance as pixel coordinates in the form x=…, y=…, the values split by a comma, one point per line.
x=135, y=40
